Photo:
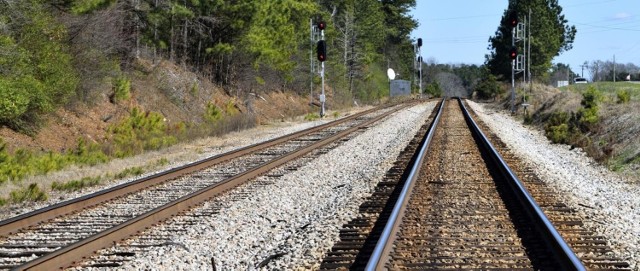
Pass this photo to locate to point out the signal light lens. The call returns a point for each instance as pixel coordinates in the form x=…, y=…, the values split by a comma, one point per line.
x=513, y=53
x=321, y=25
x=513, y=19
x=322, y=50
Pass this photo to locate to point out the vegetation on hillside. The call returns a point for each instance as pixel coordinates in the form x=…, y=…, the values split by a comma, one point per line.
x=242, y=46
x=36, y=74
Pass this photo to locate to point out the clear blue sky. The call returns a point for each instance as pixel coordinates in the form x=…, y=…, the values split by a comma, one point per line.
x=457, y=31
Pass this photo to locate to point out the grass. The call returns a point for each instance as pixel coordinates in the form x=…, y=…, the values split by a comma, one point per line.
x=311, y=117
x=610, y=90
x=29, y=193
x=76, y=185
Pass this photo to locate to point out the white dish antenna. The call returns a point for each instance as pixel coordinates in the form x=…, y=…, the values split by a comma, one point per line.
x=391, y=74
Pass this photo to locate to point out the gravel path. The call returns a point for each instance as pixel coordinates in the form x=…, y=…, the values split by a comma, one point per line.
x=610, y=202
x=296, y=216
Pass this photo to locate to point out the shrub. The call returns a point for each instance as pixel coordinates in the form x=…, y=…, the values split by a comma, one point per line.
x=30, y=193
x=37, y=73
x=588, y=114
x=121, y=89
x=488, y=87
x=230, y=108
x=434, y=89
x=76, y=185
x=213, y=113
x=311, y=117
x=623, y=96
x=132, y=171
x=557, y=128
x=139, y=132
x=88, y=153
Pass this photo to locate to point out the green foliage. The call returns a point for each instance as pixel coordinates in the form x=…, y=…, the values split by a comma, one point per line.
x=121, y=88
x=29, y=193
x=36, y=74
x=434, y=89
x=488, y=87
x=88, y=6
x=311, y=116
x=88, y=153
x=76, y=185
x=132, y=171
x=230, y=108
x=275, y=31
x=139, y=132
x=336, y=114
x=3, y=202
x=588, y=114
x=24, y=163
x=213, y=113
x=552, y=32
x=624, y=96
x=557, y=128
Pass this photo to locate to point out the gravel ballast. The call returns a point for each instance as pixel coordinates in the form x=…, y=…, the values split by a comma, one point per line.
x=293, y=221
x=608, y=201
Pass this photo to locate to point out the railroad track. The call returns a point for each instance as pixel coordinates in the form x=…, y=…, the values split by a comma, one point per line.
x=62, y=235
x=452, y=203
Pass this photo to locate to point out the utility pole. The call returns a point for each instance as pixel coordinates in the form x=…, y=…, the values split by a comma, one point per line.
x=614, y=68
x=584, y=65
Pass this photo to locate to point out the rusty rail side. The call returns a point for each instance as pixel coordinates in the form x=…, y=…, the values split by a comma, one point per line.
x=23, y=221
x=556, y=244
x=384, y=246
x=69, y=255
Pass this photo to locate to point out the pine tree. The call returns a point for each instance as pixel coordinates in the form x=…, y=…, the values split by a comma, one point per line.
x=550, y=32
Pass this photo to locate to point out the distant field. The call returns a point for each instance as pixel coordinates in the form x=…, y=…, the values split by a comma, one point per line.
x=609, y=89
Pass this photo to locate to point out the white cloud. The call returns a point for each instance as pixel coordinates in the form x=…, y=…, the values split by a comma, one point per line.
x=622, y=16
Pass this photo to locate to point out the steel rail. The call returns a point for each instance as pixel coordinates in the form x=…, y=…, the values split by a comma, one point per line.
x=559, y=248
x=69, y=255
x=384, y=245
x=14, y=224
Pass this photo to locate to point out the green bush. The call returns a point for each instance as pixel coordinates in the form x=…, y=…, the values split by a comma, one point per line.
x=434, y=89
x=121, y=89
x=213, y=113
x=624, y=96
x=76, y=185
x=132, y=171
x=139, y=132
x=311, y=117
x=29, y=193
x=588, y=114
x=557, y=128
x=488, y=87
x=36, y=73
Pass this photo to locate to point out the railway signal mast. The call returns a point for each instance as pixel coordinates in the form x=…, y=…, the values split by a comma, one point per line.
x=420, y=63
x=517, y=60
x=321, y=49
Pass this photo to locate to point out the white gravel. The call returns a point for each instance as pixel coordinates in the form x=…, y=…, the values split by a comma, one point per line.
x=297, y=216
x=177, y=155
x=610, y=202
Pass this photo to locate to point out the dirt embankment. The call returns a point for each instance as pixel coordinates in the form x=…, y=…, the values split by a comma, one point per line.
x=163, y=87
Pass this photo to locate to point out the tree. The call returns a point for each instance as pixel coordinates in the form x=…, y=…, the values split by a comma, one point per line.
x=561, y=72
x=488, y=87
x=36, y=74
x=550, y=32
